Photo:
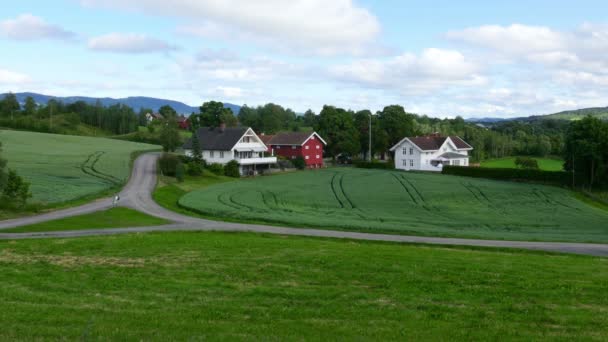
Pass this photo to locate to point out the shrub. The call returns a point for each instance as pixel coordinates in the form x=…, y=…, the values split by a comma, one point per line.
x=285, y=164
x=195, y=169
x=16, y=191
x=526, y=163
x=168, y=164
x=299, y=163
x=216, y=168
x=374, y=165
x=561, y=178
x=232, y=169
x=179, y=172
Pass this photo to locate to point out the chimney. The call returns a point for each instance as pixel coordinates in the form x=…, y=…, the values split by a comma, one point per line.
x=222, y=127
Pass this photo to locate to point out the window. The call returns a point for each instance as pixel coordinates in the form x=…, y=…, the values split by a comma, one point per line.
x=457, y=162
x=405, y=151
x=278, y=147
x=404, y=162
x=318, y=147
x=211, y=154
x=293, y=147
x=318, y=157
x=412, y=162
x=411, y=151
x=307, y=147
x=222, y=154
x=307, y=157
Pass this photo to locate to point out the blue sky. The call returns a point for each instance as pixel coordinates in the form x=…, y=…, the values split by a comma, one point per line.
x=441, y=58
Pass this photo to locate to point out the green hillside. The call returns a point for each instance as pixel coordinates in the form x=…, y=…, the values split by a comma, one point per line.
x=578, y=114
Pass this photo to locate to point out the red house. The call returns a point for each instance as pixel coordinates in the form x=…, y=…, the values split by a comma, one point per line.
x=183, y=122
x=297, y=144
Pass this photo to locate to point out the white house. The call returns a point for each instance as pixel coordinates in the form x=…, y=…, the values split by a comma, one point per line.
x=153, y=117
x=430, y=153
x=221, y=145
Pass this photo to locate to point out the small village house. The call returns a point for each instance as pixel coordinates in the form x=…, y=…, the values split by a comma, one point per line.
x=431, y=152
x=150, y=117
x=291, y=145
x=222, y=145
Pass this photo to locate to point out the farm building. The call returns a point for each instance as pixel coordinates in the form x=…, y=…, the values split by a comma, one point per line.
x=431, y=152
x=297, y=144
x=222, y=145
x=183, y=122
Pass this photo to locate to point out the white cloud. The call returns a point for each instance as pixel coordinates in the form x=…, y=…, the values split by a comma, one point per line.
x=326, y=27
x=128, y=43
x=408, y=73
x=229, y=92
x=13, y=78
x=30, y=27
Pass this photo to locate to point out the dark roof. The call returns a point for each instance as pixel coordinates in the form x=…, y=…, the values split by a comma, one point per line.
x=266, y=138
x=434, y=142
x=290, y=138
x=460, y=144
x=216, y=139
x=452, y=155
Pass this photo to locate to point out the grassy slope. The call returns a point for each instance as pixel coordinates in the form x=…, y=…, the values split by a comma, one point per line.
x=546, y=164
x=406, y=203
x=53, y=164
x=196, y=286
x=112, y=218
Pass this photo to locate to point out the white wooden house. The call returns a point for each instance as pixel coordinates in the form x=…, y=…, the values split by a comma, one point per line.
x=222, y=145
x=431, y=153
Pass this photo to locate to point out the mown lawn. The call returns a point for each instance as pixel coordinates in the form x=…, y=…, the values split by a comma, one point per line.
x=112, y=218
x=63, y=168
x=406, y=203
x=546, y=164
x=219, y=286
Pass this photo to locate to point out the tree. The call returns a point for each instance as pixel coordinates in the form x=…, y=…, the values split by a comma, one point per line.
x=397, y=123
x=169, y=135
x=167, y=112
x=586, y=151
x=197, y=153
x=337, y=126
x=213, y=113
x=362, y=122
x=299, y=163
x=232, y=169
x=310, y=118
x=16, y=191
x=10, y=105
x=250, y=117
x=30, y=106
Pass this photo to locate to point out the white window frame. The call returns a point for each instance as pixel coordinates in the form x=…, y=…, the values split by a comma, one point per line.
x=411, y=162
x=405, y=151
x=221, y=154
x=211, y=154
x=293, y=147
x=404, y=162
x=307, y=157
x=307, y=147
x=411, y=151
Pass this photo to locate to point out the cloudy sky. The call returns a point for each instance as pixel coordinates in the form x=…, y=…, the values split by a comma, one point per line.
x=436, y=57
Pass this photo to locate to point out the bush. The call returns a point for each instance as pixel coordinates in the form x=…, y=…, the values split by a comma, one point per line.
x=285, y=164
x=299, y=163
x=232, y=169
x=16, y=191
x=561, y=178
x=180, y=170
x=526, y=163
x=195, y=169
x=374, y=165
x=168, y=164
x=216, y=168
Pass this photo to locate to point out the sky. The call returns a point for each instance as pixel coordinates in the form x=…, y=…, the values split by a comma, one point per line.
x=434, y=57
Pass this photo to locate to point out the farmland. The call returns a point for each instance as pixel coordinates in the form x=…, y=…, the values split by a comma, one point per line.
x=61, y=168
x=406, y=203
x=221, y=286
x=545, y=164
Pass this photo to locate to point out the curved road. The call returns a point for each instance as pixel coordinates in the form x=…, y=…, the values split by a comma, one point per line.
x=137, y=194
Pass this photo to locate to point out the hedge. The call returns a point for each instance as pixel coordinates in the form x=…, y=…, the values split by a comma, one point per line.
x=561, y=178
x=373, y=165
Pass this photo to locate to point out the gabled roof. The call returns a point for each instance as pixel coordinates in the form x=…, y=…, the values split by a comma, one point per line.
x=266, y=138
x=216, y=139
x=156, y=115
x=293, y=138
x=434, y=142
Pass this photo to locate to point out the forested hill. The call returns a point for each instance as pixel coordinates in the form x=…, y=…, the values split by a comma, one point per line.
x=134, y=102
x=599, y=112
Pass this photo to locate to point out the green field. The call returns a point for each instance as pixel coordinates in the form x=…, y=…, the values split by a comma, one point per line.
x=112, y=218
x=546, y=164
x=63, y=168
x=220, y=286
x=406, y=203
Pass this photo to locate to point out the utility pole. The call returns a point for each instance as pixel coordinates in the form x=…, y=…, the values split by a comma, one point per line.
x=369, y=151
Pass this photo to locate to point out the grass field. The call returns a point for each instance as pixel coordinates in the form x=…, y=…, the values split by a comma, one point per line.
x=219, y=286
x=112, y=218
x=546, y=164
x=63, y=168
x=406, y=203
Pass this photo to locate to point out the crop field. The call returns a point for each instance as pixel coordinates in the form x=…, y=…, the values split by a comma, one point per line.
x=405, y=203
x=546, y=164
x=63, y=168
x=221, y=286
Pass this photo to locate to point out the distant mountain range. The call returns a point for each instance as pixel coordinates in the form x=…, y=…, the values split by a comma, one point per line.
x=570, y=115
x=136, y=103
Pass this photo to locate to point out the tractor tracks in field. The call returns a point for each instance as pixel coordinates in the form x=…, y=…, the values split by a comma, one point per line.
x=412, y=191
x=543, y=196
x=89, y=167
x=481, y=197
x=337, y=187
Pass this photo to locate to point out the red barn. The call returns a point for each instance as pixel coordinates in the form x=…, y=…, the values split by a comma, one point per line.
x=295, y=144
